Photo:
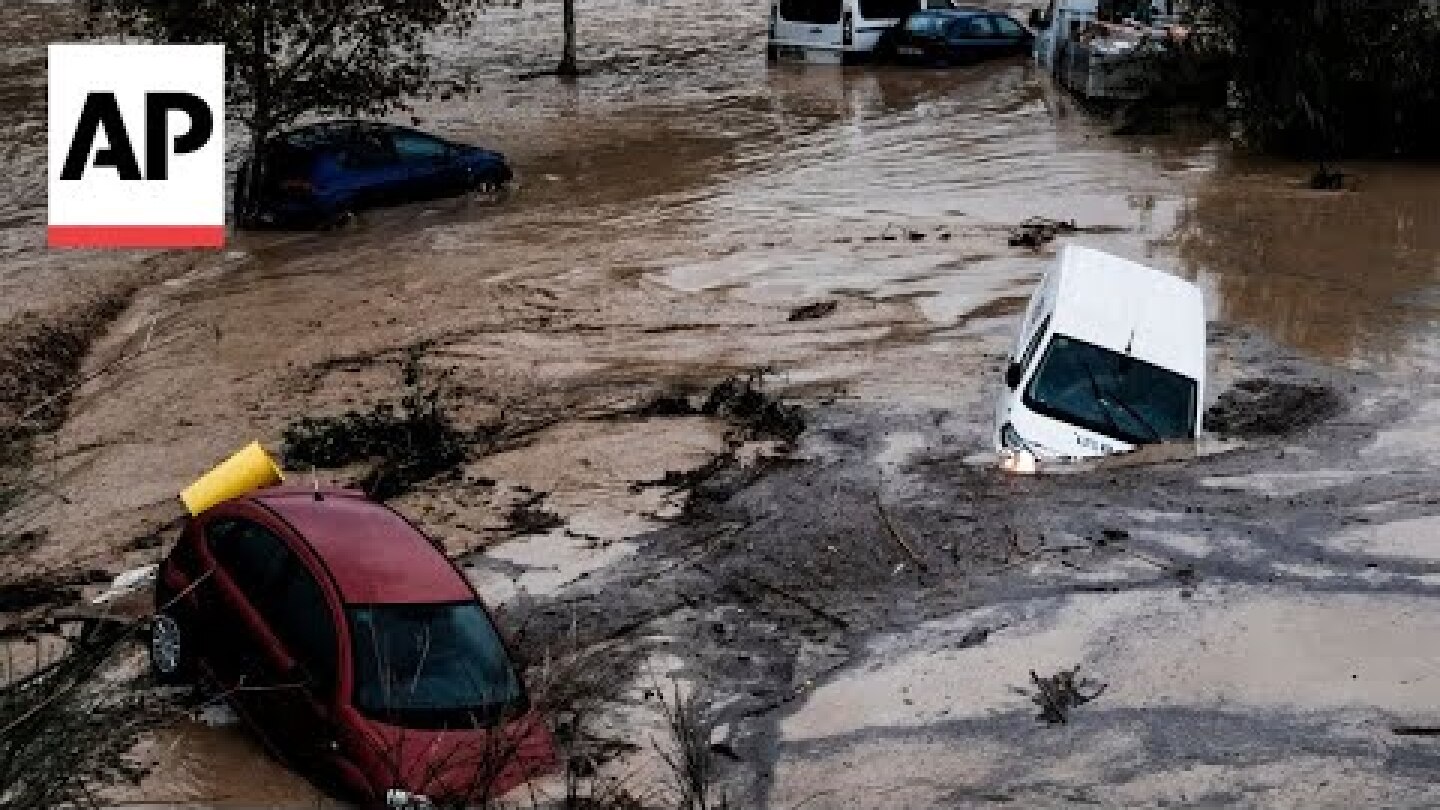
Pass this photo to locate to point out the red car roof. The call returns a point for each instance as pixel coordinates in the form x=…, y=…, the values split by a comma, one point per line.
x=375, y=556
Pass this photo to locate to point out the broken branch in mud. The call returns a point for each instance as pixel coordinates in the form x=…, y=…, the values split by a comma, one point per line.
x=66, y=729
x=742, y=400
x=793, y=598
x=689, y=756
x=1058, y=694
x=406, y=445
x=895, y=534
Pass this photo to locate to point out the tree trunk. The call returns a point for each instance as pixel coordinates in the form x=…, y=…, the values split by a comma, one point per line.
x=568, y=67
x=250, y=184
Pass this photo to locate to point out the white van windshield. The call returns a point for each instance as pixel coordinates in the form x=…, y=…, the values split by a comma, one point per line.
x=887, y=9
x=821, y=12
x=1112, y=393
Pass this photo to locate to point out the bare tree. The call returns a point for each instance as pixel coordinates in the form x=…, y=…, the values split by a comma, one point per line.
x=290, y=58
x=568, y=66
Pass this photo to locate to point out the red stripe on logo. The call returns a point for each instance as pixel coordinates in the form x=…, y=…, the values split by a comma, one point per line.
x=136, y=236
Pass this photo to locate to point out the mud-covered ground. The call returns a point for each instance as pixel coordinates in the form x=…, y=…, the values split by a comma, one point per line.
x=859, y=610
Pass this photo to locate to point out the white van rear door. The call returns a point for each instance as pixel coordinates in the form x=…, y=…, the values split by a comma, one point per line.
x=810, y=23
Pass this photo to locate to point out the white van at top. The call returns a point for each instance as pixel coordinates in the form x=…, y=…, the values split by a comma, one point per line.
x=1110, y=356
x=835, y=31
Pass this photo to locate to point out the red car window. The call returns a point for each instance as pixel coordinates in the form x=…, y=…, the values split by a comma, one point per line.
x=248, y=553
x=300, y=616
x=282, y=591
x=432, y=666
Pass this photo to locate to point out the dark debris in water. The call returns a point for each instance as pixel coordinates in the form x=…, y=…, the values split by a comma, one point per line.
x=1260, y=407
x=528, y=516
x=741, y=400
x=815, y=311
x=1060, y=693
x=1325, y=179
x=744, y=401
x=407, y=443
x=1037, y=232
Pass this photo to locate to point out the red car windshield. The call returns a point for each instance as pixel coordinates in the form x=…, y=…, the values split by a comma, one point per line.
x=432, y=666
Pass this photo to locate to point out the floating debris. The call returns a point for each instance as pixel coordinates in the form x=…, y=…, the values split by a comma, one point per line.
x=741, y=400
x=1261, y=407
x=815, y=311
x=408, y=444
x=1037, y=232
x=1058, y=694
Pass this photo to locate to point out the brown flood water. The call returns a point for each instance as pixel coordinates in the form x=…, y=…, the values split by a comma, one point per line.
x=673, y=206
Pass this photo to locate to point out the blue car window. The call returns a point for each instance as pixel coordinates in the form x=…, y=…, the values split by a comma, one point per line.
x=369, y=150
x=972, y=28
x=414, y=147
x=1008, y=28
x=922, y=24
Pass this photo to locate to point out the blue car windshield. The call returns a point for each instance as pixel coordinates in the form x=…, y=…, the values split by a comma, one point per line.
x=1112, y=393
x=432, y=666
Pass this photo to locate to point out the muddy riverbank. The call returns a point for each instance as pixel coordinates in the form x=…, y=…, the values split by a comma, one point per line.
x=858, y=608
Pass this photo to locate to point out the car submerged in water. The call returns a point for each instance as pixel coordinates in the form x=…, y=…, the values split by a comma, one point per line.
x=351, y=645
x=836, y=32
x=1110, y=356
x=946, y=37
x=321, y=175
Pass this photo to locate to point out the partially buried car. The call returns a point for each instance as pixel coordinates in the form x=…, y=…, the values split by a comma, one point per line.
x=946, y=37
x=351, y=645
x=323, y=174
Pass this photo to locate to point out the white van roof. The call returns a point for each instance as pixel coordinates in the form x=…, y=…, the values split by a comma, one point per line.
x=1127, y=307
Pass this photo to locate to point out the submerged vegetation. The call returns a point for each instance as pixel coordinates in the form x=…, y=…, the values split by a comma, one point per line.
x=408, y=443
x=1324, y=79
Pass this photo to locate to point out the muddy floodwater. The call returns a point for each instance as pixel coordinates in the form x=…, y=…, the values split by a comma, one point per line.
x=1256, y=613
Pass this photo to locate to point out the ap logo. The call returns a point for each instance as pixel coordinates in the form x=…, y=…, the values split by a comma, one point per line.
x=137, y=153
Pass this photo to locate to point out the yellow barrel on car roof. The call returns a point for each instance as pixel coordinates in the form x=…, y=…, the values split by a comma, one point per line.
x=247, y=470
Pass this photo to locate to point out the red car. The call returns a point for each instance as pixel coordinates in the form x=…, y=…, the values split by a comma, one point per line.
x=352, y=645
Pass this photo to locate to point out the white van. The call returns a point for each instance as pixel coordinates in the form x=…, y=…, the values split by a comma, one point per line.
x=835, y=31
x=1110, y=356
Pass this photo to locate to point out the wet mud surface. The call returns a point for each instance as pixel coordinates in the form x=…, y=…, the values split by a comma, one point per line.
x=859, y=601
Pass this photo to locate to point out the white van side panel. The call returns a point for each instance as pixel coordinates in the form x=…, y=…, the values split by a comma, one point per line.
x=818, y=40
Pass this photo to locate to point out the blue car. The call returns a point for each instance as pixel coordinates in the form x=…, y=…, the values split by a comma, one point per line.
x=945, y=37
x=323, y=174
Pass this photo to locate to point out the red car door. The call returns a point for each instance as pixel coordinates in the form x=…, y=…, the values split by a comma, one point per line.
x=301, y=613
x=246, y=559
x=257, y=578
